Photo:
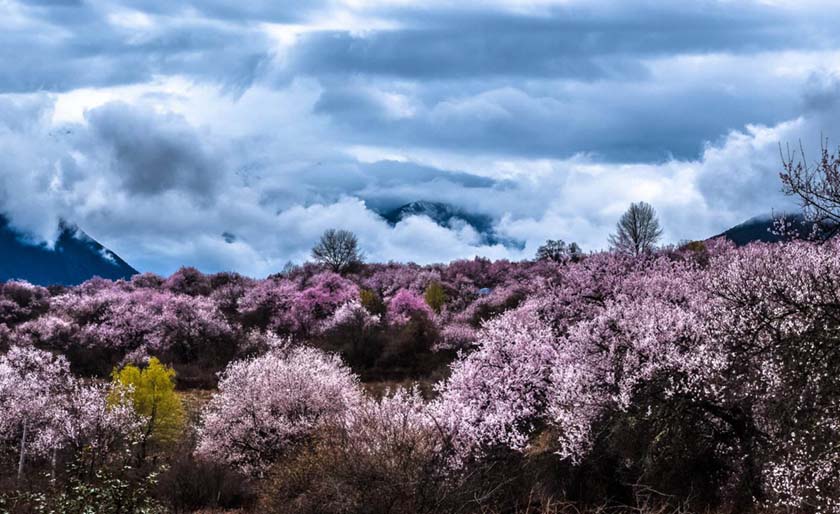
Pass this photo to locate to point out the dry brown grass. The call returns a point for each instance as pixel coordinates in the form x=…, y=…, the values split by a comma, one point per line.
x=194, y=401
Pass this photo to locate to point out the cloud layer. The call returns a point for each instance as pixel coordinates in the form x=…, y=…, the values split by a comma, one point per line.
x=228, y=137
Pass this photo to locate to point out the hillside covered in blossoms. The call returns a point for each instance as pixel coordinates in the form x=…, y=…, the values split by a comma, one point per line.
x=700, y=377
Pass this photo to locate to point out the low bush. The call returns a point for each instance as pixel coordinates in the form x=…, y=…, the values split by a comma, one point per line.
x=190, y=484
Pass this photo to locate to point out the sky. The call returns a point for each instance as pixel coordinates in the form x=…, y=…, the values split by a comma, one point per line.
x=229, y=135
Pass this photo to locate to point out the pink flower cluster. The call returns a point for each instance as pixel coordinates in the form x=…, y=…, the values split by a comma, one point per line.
x=268, y=404
x=44, y=409
x=405, y=305
x=287, y=307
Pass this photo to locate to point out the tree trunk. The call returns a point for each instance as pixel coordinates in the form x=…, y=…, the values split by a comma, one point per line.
x=53, y=459
x=147, y=434
x=751, y=490
x=22, y=458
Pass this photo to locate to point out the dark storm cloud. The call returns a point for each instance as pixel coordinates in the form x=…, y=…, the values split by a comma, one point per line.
x=484, y=79
x=458, y=53
x=575, y=79
x=383, y=184
x=585, y=41
x=276, y=11
x=628, y=122
x=822, y=92
x=742, y=172
x=151, y=154
x=73, y=45
x=389, y=184
x=391, y=173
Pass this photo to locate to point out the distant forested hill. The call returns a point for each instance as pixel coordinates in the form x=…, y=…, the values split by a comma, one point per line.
x=760, y=228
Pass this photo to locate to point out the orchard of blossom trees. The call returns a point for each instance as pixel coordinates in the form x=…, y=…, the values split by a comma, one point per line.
x=702, y=377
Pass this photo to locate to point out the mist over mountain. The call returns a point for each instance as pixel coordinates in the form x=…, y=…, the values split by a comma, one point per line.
x=756, y=229
x=452, y=217
x=74, y=258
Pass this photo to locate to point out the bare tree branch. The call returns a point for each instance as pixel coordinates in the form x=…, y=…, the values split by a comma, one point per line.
x=338, y=249
x=637, y=231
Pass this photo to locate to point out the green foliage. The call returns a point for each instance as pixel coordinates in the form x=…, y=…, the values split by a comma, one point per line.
x=151, y=391
x=435, y=296
x=372, y=302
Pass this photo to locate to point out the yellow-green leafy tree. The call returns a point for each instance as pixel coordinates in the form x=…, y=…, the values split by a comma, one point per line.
x=372, y=302
x=435, y=296
x=151, y=391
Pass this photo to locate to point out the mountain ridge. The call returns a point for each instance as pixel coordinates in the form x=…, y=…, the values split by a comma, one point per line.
x=74, y=258
x=761, y=228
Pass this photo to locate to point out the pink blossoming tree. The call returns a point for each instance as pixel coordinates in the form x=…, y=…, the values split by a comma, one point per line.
x=268, y=404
